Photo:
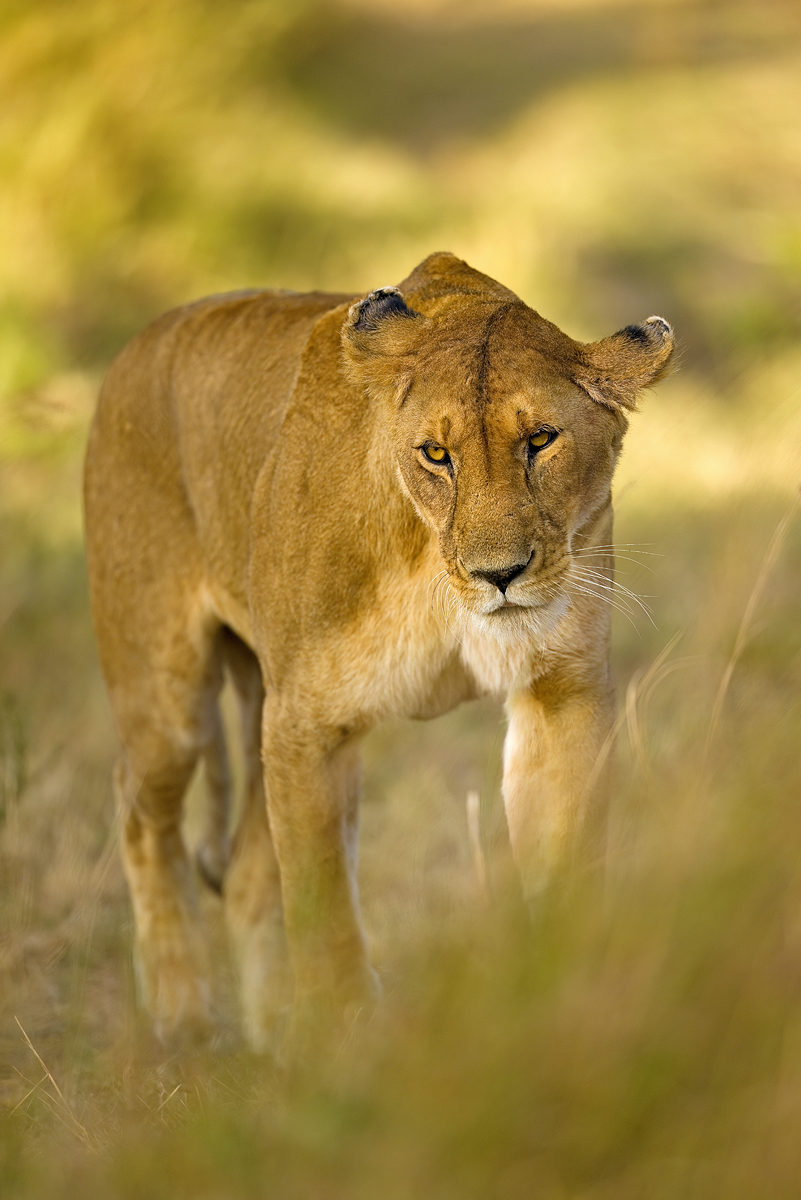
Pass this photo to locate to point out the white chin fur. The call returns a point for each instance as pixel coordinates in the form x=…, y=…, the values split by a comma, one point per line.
x=500, y=645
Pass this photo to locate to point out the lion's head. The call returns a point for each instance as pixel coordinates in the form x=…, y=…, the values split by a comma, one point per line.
x=505, y=431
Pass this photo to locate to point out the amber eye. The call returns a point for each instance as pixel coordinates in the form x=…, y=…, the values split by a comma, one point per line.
x=543, y=437
x=436, y=454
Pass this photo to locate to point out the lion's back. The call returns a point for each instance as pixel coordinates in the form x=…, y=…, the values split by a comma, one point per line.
x=186, y=418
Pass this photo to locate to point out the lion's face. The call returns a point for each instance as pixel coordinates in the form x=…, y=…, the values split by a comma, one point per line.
x=505, y=476
x=505, y=434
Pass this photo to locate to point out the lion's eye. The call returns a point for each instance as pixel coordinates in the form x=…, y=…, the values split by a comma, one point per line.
x=436, y=454
x=543, y=437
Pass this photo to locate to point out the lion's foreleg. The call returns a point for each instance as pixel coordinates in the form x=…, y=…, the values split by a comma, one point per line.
x=312, y=793
x=555, y=778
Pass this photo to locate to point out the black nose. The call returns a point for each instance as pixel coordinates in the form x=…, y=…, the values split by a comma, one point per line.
x=502, y=579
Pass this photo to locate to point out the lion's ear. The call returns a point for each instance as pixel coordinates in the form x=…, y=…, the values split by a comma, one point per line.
x=379, y=338
x=614, y=371
x=369, y=313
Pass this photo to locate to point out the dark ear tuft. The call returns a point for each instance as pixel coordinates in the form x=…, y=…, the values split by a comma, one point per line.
x=379, y=339
x=654, y=330
x=367, y=314
x=635, y=333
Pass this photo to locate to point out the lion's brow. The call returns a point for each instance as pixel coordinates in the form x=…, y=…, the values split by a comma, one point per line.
x=482, y=368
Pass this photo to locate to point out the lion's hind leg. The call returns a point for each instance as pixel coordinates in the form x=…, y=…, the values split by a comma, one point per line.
x=165, y=702
x=252, y=888
x=213, y=853
x=170, y=955
x=159, y=640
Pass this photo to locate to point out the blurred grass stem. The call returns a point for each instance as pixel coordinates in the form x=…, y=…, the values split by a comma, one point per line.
x=746, y=624
x=61, y=1103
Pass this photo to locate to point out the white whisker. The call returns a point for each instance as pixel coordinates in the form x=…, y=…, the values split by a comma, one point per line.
x=598, y=579
x=626, y=612
x=583, y=555
x=610, y=579
x=434, y=583
x=617, y=546
x=439, y=596
x=453, y=603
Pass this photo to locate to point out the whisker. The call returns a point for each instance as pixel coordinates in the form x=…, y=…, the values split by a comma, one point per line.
x=589, y=573
x=617, y=603
x=594, y=572
x=619, y=545
x=451, y=596
x=597, y=578
x=617, y=557
x=434, y=583
x=598, y=573
x=606, y=600
x=628, y=574
x=441, y=578
x=440, y=596
x=598, y=588
x=612, y=604
x=615, y=550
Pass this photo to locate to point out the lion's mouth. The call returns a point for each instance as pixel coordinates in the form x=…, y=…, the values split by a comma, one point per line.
x=522, y=604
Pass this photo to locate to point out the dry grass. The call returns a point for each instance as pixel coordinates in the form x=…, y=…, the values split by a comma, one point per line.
x=607, y=160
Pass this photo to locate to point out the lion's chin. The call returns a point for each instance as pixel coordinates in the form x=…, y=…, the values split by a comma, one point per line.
x=530, y=620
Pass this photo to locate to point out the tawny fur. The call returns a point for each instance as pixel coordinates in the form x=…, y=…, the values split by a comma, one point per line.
x=258, y=497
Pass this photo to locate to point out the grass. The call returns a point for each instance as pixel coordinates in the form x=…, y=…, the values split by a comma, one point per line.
x=644, y=1039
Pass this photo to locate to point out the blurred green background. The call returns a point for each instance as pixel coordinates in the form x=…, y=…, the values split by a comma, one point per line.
x=607, y=160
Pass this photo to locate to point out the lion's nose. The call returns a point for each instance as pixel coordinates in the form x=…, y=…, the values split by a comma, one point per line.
x=502, y=579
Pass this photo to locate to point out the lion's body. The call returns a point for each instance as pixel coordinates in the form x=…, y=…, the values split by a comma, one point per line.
x=258, y=496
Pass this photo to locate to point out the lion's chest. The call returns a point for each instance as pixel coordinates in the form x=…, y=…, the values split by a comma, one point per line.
x=406, y=658
x=399, y=659
x=498, y=666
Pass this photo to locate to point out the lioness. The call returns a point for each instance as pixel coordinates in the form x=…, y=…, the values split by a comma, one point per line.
x=363, y=508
